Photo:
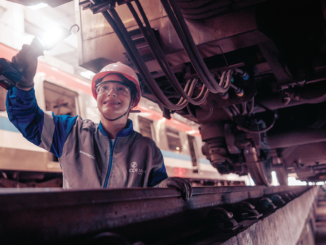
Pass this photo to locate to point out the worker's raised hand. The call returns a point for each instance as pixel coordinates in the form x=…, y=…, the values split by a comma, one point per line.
x=26, y=62
x=183, y=185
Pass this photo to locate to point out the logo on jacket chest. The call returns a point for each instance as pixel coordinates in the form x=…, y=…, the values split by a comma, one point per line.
x=134, y=169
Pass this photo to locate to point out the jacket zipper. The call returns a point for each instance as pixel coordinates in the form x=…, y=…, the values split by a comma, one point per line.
x=110, y=162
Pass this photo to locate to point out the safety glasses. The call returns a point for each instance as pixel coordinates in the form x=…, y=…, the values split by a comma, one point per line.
x=116, y=86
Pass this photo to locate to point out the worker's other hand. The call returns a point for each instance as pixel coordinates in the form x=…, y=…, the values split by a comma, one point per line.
x=182, y=185
x=26, y=59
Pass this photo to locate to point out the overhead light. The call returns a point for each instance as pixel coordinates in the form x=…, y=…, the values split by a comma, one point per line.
x=87, y=74
x=294, y=181
x=274, y=179
x=192, y=131
x=38, y=6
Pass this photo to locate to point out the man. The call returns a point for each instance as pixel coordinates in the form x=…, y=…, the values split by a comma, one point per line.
x=108, y=155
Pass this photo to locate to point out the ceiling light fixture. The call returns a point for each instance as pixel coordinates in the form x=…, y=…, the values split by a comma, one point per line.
x=38, y=6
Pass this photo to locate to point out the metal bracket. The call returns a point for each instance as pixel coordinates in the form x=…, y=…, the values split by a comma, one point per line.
x=98, y=6
x=222, y=220
x=278, y=200
x=266, y=206
x=247, y=211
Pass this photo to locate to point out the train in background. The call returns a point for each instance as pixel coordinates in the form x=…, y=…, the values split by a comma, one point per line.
x=23, y=164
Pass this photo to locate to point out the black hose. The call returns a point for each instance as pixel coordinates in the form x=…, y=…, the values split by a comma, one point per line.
x=109, y=19
x=150, y=41
x=263, y=130
x=158, y=53
x=153, y=86
x=244, y=108
x=203, y=93
x=233, y=111
x=228, y=111
x=189, y=89
x=252, y=105
x=190, y=53
x=190, y=112
x=236, y=109
x=211, y=109
x=193, y=46
x=226, y=84
x=186, y=46
x=210, y=113
x=116, y=29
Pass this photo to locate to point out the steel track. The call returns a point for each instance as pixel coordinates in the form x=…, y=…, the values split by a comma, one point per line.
x=151, y=215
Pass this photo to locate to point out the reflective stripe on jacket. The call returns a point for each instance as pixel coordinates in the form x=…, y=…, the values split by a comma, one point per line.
x=87, y=156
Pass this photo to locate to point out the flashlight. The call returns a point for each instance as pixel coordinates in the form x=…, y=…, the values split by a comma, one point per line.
x=11, y=73
x=54, y=36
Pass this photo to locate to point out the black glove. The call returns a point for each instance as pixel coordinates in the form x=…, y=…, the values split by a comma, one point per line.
x=181, y=184
x=26, y=61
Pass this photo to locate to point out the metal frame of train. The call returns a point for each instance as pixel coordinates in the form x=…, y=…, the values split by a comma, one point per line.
x=23, y=164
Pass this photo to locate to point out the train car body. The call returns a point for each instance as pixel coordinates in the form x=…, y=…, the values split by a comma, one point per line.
x=24, y=164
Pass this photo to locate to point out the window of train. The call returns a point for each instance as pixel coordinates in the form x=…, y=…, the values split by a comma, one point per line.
x=3, y=93
x=146, y=127
x=193, y=153
x=173, y=138
x=60, y=101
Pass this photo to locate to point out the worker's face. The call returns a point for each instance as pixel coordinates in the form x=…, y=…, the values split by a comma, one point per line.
x=113, y=97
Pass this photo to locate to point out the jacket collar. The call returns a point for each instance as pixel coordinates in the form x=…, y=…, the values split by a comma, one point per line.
x=128, y=130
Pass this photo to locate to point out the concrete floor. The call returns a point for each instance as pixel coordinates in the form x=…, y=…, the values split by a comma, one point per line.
x=321, y=220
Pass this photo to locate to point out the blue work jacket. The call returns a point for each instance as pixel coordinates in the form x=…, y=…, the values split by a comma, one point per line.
x=87, y=156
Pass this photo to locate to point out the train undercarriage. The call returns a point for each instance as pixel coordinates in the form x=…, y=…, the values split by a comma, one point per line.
x=251, y=73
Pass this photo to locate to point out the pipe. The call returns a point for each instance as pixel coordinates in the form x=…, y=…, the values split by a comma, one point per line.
x=313, y=100
x=274, y=101
x=295, y=136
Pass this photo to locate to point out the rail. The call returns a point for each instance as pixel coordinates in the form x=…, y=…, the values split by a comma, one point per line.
x=150, y=215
